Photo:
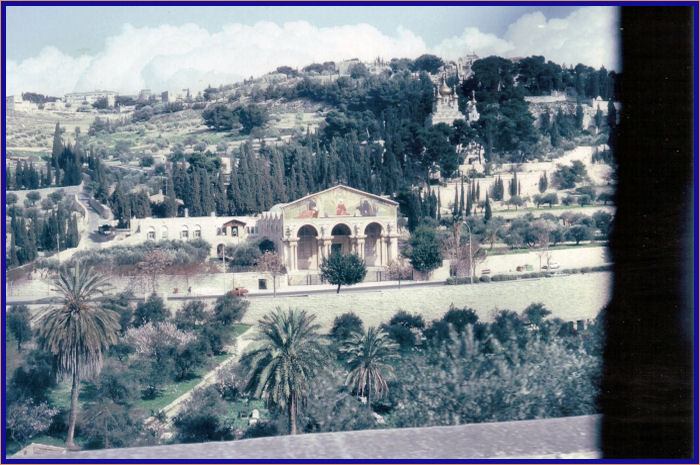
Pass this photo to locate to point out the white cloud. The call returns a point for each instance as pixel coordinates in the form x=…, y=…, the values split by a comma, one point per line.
x=589, y=35
x=170, y=57
x=473, y=40
x=51, y=70
x=174, y=57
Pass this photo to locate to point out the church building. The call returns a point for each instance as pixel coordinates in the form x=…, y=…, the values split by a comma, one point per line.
x=339, y=219
x=446, y=107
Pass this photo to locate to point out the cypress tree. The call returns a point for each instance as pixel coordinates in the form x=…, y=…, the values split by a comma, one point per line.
x=461, y=197
x=14, y=258
x=478, y=194
x=470, y=200
x=196, y=196
x=514, y=185
x=487, y=209
x=542, y=185
x=57, y=147
x=455, y=204
x=73, y=235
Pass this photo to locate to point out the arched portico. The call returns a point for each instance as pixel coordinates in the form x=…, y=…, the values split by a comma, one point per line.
x=373, y=247
x=340, y=239
x=307, y=248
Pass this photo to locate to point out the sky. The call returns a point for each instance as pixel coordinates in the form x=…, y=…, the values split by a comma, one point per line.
x=59, y=49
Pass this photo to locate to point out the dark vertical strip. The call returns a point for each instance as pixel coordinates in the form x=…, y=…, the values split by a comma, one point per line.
x=647, y=396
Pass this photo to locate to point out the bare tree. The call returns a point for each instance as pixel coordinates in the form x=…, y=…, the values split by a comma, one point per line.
x=399, y=269
x=153, y=266
x=271, y=263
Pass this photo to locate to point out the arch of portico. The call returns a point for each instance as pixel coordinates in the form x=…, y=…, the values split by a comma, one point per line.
x=373, y=250
x=305, y=244
x=304, y=251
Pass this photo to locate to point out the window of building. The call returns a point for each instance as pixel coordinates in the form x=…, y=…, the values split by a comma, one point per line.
x=163, y=233
x=234, y=231
x=262, y=283
x=197, y=234
x=151, y=235
x=184, y=234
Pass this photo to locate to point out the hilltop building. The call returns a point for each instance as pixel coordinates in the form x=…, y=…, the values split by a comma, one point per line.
x=76, y=99
x=446, y=107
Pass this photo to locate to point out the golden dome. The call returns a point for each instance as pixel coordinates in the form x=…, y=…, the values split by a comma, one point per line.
x=444, y=88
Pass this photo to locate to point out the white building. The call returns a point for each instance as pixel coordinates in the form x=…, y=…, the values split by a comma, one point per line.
x=76, y=99
x=339, y=219
x=218, y=231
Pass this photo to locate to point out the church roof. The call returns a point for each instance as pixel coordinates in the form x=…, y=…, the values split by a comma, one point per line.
x=342, y=187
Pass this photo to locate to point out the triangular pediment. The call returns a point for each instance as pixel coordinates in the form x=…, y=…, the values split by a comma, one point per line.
x=339, y=200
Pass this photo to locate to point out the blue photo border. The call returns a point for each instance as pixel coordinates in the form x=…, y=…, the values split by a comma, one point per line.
x=696, y=198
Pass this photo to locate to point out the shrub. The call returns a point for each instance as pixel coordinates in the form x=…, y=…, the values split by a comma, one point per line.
x=459, y=318
x=230, y=383
x=216, y=336
x=152, y=310
x=200, y=418
x=404, y=329
x=346, y=324
x=504, y=277
x=188, y=358
x=18, y=323
x=261, y=429
x=485, y=279
x=229, y=309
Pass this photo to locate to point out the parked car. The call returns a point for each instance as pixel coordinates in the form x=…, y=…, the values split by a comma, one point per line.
x=239, y=291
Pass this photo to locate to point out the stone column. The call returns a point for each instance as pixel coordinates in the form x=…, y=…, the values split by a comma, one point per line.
x=394, y=249
x=293, y=259
x=361, y=247
x=287, y=254
x=381, y=253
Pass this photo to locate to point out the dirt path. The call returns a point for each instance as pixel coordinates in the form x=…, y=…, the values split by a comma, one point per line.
x=237, y=348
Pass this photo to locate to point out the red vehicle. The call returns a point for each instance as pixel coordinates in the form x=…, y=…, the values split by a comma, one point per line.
x=239, y=291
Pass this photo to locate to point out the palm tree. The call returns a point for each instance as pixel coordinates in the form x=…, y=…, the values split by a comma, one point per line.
x=288, y=353
x=367, y=357
x=78, y=332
